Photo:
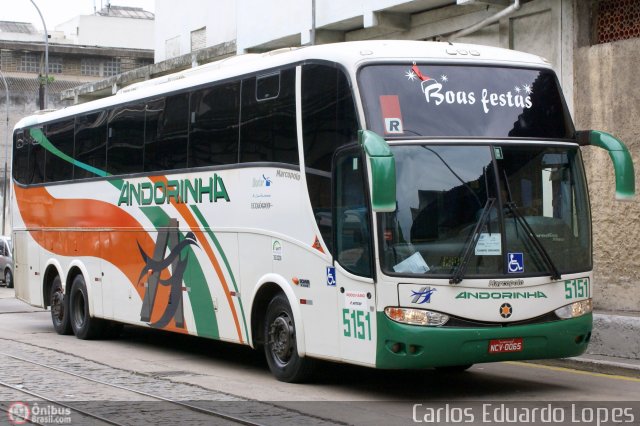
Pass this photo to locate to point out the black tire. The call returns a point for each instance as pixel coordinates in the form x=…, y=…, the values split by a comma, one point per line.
x=8, y=278
x=59, y=303
x=280, y=344
x=84, y=327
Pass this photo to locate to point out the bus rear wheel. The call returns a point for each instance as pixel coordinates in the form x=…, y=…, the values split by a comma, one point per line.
x=59, y=308
x=84, y=327
x=281, y=344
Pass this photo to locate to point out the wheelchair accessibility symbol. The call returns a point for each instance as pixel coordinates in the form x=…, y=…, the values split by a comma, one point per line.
x=331, y=276
x=516, y=263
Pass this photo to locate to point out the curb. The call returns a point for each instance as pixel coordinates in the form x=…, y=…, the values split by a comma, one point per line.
x=615, y=367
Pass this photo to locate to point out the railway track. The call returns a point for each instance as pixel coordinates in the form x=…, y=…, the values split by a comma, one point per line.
x=88, y=392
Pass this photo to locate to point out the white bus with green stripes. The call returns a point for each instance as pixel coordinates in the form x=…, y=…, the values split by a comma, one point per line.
x=391, y=204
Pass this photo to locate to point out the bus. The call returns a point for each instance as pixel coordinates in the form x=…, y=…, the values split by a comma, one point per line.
x=391, y=204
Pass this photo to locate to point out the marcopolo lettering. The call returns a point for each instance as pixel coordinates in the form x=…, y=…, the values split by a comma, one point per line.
x=287, y=174
x=501, y=295
x=178, y=191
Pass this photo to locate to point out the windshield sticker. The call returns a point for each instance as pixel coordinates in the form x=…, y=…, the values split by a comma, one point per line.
x=390, y=107
x=516, y=263
x=489, y=245
x=413, y=264
x=435, y=93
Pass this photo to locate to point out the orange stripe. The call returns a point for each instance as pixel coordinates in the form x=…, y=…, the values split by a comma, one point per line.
x=183, y=209
x=116, y=245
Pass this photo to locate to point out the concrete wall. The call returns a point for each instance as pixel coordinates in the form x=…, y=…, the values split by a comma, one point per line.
x=175, y=22
x=109, y=31
x=607, y=91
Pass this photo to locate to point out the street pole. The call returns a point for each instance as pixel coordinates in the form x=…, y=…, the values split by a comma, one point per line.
x=46, y=59
x=6, y=154
x=313, y=22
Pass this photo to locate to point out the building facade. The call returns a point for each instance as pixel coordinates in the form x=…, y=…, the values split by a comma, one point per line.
x=22, y=60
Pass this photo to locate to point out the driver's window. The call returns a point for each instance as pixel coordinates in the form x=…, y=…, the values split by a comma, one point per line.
x=353, y=230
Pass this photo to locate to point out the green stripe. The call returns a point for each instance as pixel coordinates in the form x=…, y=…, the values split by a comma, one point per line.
x=199, y=294
x=208, y=230
x=39, y=136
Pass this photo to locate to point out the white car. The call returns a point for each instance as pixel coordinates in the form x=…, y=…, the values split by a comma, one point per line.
x=6, y=261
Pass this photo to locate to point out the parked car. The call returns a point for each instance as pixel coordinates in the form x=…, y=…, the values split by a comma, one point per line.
x=6, y=261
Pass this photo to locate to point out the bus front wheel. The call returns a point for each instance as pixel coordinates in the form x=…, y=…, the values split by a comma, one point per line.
x=59, y=308
x=84, y=327
x=280, y=343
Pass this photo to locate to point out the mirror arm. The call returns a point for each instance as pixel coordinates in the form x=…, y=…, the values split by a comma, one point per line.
x=620, y=156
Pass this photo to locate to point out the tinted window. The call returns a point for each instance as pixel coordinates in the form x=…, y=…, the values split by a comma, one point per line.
x=328, y=114
x=60, y=139
x=91, y=144
x=268, y=127
x=166, y=133
x=328, y=122
x=215, y=113
x=353, y=232
x=126, y=139
x=36, y=157
x=20, y=156
x=435, y=100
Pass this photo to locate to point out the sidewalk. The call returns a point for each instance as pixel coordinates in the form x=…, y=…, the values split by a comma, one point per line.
x=614, y=346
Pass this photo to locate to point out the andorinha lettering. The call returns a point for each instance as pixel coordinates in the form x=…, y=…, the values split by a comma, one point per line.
x=181, y=191
x=501, y=295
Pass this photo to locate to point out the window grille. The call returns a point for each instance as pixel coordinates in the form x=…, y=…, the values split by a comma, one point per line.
x=29, y=62
x=616, y=20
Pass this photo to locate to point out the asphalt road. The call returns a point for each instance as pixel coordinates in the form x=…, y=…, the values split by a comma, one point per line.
x=339, y=393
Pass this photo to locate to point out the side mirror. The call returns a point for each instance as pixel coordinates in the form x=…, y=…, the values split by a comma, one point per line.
x=620, y=156
x=383, y=171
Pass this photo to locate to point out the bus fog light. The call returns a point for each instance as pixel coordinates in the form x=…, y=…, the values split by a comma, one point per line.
x=416, y=316
x=576, y=309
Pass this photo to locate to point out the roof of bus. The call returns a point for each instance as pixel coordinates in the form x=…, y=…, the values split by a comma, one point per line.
x=349, y=54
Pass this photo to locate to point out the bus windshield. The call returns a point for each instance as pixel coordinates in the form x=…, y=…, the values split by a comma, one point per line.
x=442, y=193
x=411, y=100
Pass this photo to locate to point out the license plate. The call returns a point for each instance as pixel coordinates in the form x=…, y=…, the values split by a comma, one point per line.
x=501, y=346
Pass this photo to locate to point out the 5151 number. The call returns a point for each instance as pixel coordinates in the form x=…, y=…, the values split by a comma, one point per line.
x=356, y=324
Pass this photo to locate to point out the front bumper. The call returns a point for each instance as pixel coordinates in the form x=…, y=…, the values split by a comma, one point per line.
x=402, y=346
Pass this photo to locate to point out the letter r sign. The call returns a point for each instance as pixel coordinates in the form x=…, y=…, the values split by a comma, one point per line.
x=393, y=126
x=390, y=108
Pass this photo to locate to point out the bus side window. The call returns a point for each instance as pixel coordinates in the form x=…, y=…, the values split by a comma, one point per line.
x=328, y=122
x=36, y=161
x=215, y=115
x=90, y=143
x=60, y=135
x=353, y=231
x=166, y=133
x=126, y=139
x=20, y=156
x=268, y=125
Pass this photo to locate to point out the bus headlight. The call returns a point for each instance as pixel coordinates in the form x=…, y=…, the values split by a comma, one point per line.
x=416, y=316
x=576, y=309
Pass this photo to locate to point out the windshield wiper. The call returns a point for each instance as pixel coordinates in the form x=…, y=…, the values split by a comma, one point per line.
x=471, y=245
x=511, y=205
x=555, y=274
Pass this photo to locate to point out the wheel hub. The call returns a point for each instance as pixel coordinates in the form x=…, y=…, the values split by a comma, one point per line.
x=281, y=339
